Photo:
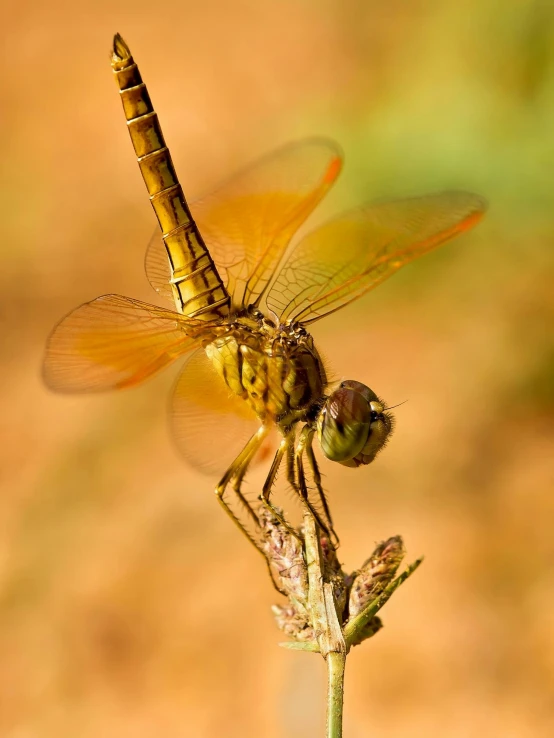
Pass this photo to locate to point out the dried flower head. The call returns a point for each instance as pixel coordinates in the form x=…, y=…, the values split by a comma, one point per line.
x=293, y=623
x=375, y=574
x=285, y=555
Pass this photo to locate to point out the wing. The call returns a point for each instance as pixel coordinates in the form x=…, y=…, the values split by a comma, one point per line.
x=156, y=265
x=353, y=253
x=210, y=425
x=112, y=342
x=248, y=222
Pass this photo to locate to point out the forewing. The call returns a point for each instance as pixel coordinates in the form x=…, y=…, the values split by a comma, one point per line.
x=248, y=222
x=110, y=343
x=210, y=425
x=156, y=265
x=353, y=253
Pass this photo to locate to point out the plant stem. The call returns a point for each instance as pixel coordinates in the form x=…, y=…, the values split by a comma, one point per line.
x=326, y=624
x=335, y=693
x=316, y=596
x=353, y=629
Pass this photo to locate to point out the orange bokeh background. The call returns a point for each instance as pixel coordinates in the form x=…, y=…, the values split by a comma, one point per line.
x=129, y=606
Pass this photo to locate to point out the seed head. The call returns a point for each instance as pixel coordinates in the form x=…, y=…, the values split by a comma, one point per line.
x=285, y=556
x=293, y=623
x=375, y=574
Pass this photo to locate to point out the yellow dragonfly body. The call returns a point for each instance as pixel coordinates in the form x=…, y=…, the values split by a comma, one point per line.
x=242, y=300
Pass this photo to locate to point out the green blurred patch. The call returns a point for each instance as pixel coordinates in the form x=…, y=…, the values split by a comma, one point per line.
x=535, y=390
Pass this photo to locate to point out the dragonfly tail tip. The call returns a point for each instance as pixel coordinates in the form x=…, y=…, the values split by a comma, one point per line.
x=120, y=49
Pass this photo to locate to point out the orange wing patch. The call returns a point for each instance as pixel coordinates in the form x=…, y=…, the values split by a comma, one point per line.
x=112, y=342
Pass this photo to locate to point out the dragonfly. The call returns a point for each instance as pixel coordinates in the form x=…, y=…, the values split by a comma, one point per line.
x=243, y=295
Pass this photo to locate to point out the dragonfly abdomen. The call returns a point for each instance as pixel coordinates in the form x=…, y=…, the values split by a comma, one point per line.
x=197, y=287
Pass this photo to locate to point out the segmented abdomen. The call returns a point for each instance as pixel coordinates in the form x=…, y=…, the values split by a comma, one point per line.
x=197, y=287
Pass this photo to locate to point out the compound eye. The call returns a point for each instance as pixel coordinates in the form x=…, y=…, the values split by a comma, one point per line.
x=363, y=389
x=353, y=425
x=343, y=424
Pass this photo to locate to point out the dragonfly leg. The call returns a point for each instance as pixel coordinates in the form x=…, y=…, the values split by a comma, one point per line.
x=305, y=443
x=236, y=484
x=234, y=476
x=268, y=484
x=317, y=481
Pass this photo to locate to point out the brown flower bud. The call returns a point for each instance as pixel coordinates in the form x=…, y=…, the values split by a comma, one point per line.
x=285, y=555
x=375, y=574
x=293, y=623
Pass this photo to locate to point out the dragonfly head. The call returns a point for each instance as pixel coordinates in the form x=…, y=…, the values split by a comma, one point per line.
x=353, y=425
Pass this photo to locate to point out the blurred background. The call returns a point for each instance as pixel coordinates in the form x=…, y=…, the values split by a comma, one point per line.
x=129, y=606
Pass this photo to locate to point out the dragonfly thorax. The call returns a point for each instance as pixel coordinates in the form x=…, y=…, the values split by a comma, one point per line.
x=275, y=369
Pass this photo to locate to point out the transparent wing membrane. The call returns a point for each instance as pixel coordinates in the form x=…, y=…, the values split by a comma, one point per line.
x=248, y=222
x=348, y=256
x=110, y=343
x=156, y=265
x=210, y=425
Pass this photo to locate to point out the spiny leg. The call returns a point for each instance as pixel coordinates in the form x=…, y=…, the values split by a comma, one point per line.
x=236, y=483
x=264, y=497
x=291, y=471
x=302, y=489
x=297, y=480
x=270, y=480
x=317, y=481
x=235, y=474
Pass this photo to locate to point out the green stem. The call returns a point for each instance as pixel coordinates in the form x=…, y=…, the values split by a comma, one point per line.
x=316, y=597
x=353, y=629
x=311, y=646
x=335, y=693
